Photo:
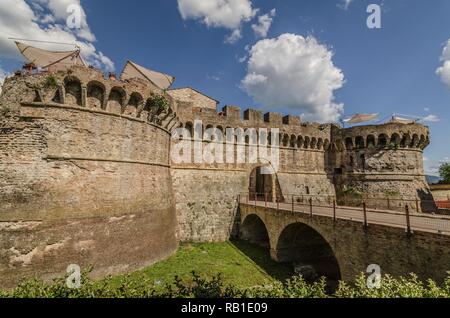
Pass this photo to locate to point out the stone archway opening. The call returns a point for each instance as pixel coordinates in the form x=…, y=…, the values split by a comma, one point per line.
x=309, y=253
x=254, y=242
x=264, y=186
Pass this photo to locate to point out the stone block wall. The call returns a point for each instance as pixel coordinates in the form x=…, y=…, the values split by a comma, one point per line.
x=81, y=185
x=189, y=95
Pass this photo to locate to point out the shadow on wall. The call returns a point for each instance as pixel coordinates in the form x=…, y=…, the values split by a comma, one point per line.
x=427, y=202
x=261, y=257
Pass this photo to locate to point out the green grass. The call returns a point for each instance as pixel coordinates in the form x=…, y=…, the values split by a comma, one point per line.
x=240, y=264
x=246, y=271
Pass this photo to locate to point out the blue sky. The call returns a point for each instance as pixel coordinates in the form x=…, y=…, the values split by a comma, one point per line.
x=356, y=69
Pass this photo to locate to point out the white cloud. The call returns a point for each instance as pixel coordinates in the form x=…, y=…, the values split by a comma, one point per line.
x=297, y=73
x=264, y=23
x=345, y=4
x=229, y=14
x=218, y=13
x=3, y=75
x=444, y=70
x=444, y=73
x=235, y=36
x=242, y=59
x=446, y=52
x=59, y=10
x=432, y=166
x=20, y=20
x=431, y=119
x=215, y=77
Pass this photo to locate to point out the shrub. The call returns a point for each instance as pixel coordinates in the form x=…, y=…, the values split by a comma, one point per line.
x=444, y=172
x=296, y=287
x=50, y=82
x=159, y=103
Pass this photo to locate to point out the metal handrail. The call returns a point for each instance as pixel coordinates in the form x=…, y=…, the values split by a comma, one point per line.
x=408, y=218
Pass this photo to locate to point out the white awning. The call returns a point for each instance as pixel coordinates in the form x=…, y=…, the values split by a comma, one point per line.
x=360, y=118
x=43, y=58
x=133, y=70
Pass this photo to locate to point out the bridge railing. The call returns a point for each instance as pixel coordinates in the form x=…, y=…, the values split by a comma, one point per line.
x=408, y=216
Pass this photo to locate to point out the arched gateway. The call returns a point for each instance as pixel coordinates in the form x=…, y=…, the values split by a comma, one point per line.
x=264, y=186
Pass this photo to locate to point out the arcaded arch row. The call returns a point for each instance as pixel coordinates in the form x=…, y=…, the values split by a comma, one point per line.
x=286, y=140
x=304, y=142
x=396, y=140
x=114, y=99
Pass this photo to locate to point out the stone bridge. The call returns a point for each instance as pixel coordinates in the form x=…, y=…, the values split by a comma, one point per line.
x=342, y=247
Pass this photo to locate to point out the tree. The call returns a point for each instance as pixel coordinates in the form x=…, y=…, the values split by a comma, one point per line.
x=444, y=171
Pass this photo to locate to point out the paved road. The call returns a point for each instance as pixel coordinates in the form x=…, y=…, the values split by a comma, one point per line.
x=419, y=222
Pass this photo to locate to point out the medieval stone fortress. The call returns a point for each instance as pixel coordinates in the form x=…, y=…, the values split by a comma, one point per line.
x=86, y=177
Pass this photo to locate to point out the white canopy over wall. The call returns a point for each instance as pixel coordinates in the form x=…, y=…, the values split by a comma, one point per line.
x=360, y=118
x=50, y=59
x=133, y=70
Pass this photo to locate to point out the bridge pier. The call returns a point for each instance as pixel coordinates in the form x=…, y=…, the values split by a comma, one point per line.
x=274, y=255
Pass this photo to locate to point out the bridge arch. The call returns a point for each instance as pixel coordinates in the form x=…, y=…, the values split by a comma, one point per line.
x=254, y=231
x=304, y=246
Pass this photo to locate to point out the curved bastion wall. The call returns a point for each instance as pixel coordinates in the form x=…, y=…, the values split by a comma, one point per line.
x=84, y=176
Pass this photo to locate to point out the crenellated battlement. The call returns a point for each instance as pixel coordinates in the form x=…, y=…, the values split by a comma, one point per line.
x=293, y=133
x=385, y=136
x=87, y=88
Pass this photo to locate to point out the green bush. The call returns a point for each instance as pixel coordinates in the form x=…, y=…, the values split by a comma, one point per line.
x=198, y=287
x=51, y=82
x=160, y=103
x=444, y=172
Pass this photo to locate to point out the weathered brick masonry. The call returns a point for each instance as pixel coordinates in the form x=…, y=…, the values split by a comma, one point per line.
x=86, y=176
x=81, y=183
x=315, y=159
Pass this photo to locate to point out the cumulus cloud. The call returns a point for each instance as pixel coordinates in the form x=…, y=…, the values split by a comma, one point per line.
x=229, y=14
x=444, y=73
x=294, y=72
x=235, y=36
x=45, y=20
x=444, y=70
x=264, y=23
x=59, y=10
